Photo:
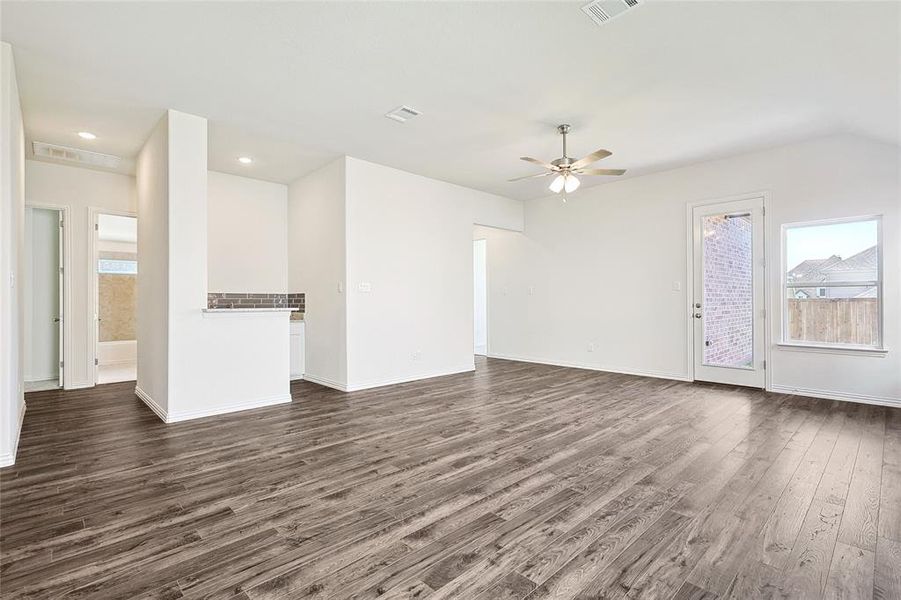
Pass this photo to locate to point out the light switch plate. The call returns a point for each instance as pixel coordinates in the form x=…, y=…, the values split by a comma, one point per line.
x=677, y=286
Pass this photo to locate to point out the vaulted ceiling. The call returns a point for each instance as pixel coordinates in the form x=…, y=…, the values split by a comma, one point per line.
x=297, y=84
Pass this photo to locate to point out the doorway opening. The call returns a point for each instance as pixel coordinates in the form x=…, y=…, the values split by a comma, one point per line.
x=44, y=291
x=115, y=297
x=480, y=297
x=728, y=292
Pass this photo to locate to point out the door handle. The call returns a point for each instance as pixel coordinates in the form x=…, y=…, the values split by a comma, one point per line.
x=56, y=319
x=697, y=315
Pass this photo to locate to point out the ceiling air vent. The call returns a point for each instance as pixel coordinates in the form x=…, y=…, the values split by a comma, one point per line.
x=402, y=114
x=603, y=11
x=83, y=157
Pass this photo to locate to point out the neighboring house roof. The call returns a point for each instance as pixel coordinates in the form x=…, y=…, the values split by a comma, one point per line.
x=811, y=269
x=862, y=261
x=816, y=270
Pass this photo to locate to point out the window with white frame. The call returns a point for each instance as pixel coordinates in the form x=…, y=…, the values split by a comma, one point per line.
x=832, y=275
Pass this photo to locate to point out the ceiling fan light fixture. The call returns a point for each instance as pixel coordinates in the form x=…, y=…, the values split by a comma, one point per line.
x=557, y=184
x=571, y=184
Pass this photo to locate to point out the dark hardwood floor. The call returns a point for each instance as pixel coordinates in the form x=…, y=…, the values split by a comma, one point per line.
x=517, y=481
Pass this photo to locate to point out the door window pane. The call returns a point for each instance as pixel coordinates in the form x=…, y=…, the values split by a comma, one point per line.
x=728, y=308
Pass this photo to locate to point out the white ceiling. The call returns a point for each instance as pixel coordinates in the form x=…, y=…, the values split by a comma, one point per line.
x=297, y=84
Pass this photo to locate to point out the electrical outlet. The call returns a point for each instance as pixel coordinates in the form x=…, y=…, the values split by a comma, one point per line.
x=531, y=291
x=591, y=346
x=417, y=355
x=677, y=286
x=365, y=287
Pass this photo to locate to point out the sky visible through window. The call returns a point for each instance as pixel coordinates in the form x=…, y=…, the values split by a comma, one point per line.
x=822, y=241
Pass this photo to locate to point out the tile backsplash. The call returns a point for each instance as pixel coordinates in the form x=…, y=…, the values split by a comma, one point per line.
x=255, y=300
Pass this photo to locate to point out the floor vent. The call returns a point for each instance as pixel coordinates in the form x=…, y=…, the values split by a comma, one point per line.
x=603, y=11
x=74, y=155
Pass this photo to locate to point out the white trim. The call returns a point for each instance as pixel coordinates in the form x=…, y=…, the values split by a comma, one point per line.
x=336, y=385
x=764, y=196
x=67, y=341
x=8, y=459
x=92, y=309
x=783, y=284
x=151, y=404
x=209, y=412
x=847, y=350
x=229, y=408
x=374, y=383
x=296, y=378
x=602, y=368
x=840, y=396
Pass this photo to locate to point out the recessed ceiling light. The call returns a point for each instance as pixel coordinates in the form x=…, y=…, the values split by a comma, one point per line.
x=245, y=160
x=87, y=135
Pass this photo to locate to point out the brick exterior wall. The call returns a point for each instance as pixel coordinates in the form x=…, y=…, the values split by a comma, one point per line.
x=728, y=291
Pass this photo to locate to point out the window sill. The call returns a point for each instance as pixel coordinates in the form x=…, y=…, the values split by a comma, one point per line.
x=848, y=350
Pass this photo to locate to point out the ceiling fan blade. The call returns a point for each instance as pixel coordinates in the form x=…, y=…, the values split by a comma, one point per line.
x=593, y=157
x=531, y=176
x=601, y=171
x=538, y=162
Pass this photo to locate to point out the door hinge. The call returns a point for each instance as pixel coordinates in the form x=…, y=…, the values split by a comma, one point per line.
x=764, y=364
x=96, y=226
x=60, y=364
x=96, y=361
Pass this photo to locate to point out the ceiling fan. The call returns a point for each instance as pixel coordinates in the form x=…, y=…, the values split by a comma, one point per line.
x=566, y=168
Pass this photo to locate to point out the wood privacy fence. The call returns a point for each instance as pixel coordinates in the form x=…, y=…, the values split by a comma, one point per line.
x=838, y=320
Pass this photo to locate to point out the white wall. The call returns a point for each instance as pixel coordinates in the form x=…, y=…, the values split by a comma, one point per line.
x=248, y=235
x=317, y=267
x=602, y=266
x=41, y=282
x=480, y=297
x=12, y=200
x=80, y=190
x=207, y=363
x=153, y=267
x=409, y=238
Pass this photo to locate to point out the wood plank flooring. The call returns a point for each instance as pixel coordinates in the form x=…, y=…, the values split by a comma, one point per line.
x=518, y=481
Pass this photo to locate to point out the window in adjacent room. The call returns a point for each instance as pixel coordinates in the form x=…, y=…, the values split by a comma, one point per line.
x=833, y=283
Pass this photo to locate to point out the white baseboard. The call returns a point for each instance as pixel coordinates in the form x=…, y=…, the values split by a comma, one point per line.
x=33, y=378
x=336, y=385
x=603, y=368
x=368, y=385
x=151, y=404
x=840, y=396
x=187, y=415
x=8, y=459
x=297, y=377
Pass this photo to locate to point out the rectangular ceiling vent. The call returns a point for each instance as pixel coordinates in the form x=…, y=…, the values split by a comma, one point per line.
x=402, y=114
x=604, y=11
x=83, y=157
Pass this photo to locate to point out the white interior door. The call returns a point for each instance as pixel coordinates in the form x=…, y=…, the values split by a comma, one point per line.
x=728, y=291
